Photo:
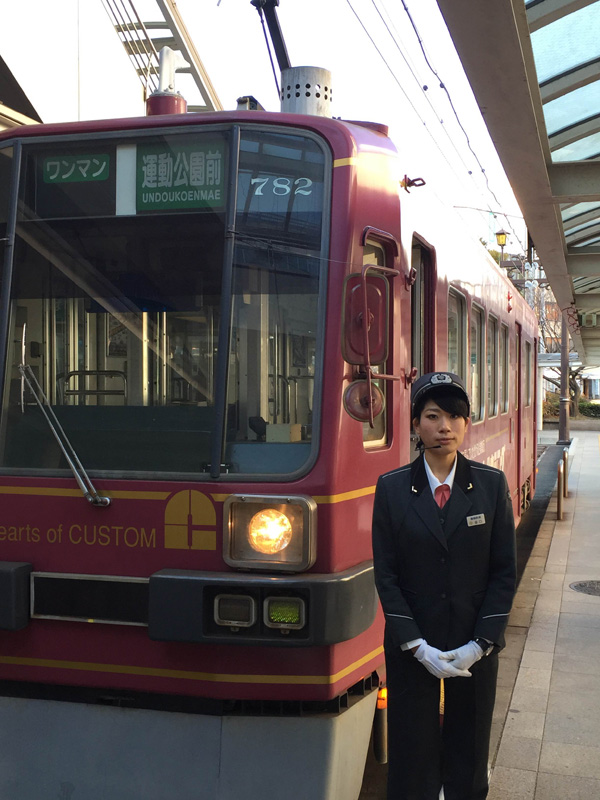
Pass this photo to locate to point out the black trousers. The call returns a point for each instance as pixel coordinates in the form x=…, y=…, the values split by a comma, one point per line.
x=424, y=757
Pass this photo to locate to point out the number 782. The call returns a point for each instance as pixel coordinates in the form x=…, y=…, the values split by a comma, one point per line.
x=281, y=186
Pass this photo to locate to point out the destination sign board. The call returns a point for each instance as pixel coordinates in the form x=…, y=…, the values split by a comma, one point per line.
x=180, y=176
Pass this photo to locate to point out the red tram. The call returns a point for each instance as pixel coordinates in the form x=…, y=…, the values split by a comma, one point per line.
x=187, y=459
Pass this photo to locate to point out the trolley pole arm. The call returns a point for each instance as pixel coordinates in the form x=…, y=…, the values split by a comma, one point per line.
x=275, y=32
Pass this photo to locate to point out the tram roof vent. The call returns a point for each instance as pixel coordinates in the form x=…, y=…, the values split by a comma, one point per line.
x=306, y=90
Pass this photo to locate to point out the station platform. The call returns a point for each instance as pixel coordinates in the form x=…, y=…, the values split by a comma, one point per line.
x=546, y=732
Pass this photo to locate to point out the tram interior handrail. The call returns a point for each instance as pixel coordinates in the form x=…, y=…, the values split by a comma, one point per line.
x=83, y=480
x=63, y=382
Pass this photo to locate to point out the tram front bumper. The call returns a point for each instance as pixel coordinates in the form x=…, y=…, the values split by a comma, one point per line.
x=183, y=607
x=191, y=606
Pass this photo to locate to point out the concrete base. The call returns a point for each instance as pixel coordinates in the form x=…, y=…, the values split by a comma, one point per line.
x=73, y=751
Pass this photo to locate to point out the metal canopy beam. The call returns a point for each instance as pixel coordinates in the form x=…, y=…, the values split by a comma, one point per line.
x=573, y=79
x=583, y=264
x=551, y=10
x=587, y=302
x=575, y=181
x=581, y=219
x=573, y=133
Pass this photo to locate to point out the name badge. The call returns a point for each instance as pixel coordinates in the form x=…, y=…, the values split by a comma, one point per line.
x=476, y=519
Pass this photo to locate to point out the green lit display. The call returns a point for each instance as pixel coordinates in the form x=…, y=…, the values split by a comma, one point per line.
x=285, y=612
x=76, y=168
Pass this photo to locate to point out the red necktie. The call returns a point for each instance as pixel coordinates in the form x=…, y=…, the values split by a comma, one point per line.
x=441, y=494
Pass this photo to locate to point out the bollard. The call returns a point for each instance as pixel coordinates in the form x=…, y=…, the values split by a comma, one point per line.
x=380, y=732
x=566, y=472
x=559, y=491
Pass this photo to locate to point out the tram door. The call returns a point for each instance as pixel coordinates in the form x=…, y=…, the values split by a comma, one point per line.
x=422, y=314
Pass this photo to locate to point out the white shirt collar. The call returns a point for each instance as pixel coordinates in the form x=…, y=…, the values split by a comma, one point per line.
x=433, y=481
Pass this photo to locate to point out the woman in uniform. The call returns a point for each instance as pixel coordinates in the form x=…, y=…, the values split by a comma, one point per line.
x=444, y=554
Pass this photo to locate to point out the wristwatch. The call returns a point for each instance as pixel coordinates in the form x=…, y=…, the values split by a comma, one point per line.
x=485, y=645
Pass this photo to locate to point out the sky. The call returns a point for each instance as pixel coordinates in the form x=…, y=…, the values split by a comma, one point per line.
x=74, y=67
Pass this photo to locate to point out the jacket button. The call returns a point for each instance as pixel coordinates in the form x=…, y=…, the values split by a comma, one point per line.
x=443, y=560
x=443, y=595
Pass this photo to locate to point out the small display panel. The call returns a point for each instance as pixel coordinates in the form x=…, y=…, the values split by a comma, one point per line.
x=73, y=181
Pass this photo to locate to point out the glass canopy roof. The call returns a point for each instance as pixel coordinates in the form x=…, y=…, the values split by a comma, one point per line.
x=567, y=43
x=566, y=48
x=534, y=67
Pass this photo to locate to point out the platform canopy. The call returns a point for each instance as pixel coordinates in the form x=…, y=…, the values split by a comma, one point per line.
x=534, y=66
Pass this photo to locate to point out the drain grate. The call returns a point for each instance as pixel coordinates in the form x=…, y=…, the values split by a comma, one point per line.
x=586, y=587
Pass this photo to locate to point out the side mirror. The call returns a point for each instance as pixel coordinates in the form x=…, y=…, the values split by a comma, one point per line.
x=354, y=350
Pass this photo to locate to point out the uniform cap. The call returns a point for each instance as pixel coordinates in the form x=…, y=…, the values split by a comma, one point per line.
x=438, y=380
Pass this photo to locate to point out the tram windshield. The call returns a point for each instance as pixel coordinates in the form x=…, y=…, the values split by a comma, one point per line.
x=166, y=304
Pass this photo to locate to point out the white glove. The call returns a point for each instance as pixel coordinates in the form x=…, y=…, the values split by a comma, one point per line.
x=432, y=659
x=463, y=657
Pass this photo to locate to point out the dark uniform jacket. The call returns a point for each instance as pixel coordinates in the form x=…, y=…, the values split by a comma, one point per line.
x=447, y=576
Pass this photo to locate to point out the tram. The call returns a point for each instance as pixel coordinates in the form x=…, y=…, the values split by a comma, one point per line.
x=209, y=328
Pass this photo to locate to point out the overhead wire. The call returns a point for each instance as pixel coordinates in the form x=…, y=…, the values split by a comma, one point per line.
x=452, y=106
x=395, y=77
x=489, y=210
x=419, y=83
x=445, y=89
x=391, y=71
x=441, y=121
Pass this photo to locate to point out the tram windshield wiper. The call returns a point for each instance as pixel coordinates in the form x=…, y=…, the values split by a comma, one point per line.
x=75, y=465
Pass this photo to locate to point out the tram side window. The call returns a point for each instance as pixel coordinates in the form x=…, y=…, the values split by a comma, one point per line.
x=517, y=360
x=374, y=254
x=5, y=188
x=277, y=272
x=492, y=366
x=528, y=373
x=503, y=368
x=456, y=333
x=476, y=363
x=273, y=353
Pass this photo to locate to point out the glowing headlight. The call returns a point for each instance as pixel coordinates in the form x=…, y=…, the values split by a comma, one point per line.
x=269, y=531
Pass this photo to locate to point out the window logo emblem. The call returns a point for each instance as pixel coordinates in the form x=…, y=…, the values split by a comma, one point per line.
x=190, y=522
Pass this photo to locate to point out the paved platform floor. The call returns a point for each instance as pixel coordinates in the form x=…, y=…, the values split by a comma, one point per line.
x=546, y=734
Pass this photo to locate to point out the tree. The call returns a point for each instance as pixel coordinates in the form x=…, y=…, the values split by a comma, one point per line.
x=550, y=321
x=574, y=387
x=495, y=254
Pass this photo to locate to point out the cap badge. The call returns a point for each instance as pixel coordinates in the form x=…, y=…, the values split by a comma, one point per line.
x=441, y=377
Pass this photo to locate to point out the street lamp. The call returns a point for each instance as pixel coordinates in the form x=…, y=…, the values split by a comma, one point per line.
x=501, y=241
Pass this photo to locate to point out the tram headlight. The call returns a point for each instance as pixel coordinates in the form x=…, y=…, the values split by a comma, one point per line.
x=269, y=532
